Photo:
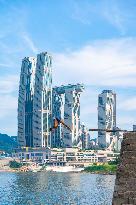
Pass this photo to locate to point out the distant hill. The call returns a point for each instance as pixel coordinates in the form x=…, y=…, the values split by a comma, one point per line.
x=7, y=143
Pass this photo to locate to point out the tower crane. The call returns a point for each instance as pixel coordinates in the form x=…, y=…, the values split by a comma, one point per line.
x=56, y=123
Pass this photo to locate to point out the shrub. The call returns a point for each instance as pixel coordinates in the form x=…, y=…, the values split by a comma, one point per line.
x=115, y=162
x=15, y=164
x=101, y=168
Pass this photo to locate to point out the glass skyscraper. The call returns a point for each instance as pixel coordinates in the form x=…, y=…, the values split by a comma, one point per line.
x=35, y=101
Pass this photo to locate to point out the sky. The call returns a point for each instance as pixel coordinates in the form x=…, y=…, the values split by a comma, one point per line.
x=91, y=41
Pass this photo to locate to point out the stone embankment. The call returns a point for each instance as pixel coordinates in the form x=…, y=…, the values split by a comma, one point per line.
x=125, y=184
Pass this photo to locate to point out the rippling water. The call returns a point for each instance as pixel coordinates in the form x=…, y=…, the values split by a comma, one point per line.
x=55, y=189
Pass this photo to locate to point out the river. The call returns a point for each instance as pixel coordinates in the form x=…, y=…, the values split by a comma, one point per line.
x=46, y=188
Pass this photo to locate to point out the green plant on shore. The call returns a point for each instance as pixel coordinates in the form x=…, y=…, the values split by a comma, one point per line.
x=104, y=168
x=14, y=164
x=115, y=162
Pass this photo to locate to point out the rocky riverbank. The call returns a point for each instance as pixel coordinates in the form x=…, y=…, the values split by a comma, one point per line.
x=4, y=165
x=9, y=165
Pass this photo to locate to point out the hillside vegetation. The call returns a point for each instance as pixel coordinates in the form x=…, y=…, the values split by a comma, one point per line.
x=7, y=143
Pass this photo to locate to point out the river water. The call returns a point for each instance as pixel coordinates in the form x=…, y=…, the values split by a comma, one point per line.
x=46, y=188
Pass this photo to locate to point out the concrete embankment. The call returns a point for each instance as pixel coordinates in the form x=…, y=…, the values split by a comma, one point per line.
x=125, y=184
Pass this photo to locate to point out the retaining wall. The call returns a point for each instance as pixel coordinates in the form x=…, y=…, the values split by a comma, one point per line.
x=125, y=183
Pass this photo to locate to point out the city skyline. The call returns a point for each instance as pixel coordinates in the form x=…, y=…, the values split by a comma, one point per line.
x=39, y=105
x=67, y=102
x=101, y=57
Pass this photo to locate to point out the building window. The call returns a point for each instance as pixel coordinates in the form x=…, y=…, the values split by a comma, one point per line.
x=100, y=101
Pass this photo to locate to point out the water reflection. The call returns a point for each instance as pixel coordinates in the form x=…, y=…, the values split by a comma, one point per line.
x=55, y=189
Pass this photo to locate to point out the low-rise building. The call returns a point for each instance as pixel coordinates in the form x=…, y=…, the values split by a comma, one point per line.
x=66, y=156
x=33, y=154
x=75, y=155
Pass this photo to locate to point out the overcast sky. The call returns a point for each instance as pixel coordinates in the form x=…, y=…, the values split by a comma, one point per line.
x=91, y=41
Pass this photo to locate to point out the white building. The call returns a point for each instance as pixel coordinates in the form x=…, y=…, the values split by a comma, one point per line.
x=106, y=117
x=58, y=101
x=115, y=144
x=43, y=101
x=134, y=128
x=33, y=154
x=66, y=106
x=72, y=114
x=35, y=101
x=84, y=137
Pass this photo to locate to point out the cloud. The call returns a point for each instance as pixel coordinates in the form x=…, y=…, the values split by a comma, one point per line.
x=81, y=12
x=8, y=114
x=5, y=65
x=8, y=103
x=128, y=104
x=8, y=91
x=29, y=42
x=100, y=63
x=15, y=43
x=8, y=84
x=8, y=98
x=8, y=106
x=114, y=15
x=15, y=29
x=126, y=121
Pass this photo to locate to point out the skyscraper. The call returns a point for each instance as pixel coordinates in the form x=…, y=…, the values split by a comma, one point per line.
x=106, y=116
x=43, y=101
x=25, y=102
x=72, y=114
x=58, y=101
x=35, y=101
x=84, y=136
x=66, y=105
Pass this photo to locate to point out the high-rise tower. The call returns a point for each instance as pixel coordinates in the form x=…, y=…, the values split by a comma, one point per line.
x=58, y=102
x=66, y=105
x=35, y=101
x=43, y=101
x=25, y=102
x=106, y=116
